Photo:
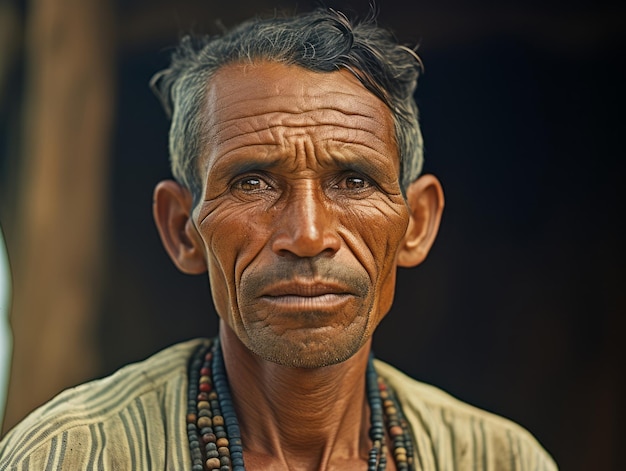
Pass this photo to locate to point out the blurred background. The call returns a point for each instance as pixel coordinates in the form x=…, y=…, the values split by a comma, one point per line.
x=519, y=308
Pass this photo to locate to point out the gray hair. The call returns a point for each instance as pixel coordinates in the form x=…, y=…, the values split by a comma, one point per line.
x=322, y=40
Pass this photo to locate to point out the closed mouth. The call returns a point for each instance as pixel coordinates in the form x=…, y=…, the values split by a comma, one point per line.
x=305, y=290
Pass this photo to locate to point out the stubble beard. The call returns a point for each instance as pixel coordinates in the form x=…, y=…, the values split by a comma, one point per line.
x=290, y=351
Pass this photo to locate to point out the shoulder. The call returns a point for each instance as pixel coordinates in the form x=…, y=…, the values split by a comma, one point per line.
x=82, y=426
x=451, y=434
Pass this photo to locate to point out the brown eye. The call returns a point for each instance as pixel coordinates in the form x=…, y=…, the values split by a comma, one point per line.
x=252, y=184
x=355, y=183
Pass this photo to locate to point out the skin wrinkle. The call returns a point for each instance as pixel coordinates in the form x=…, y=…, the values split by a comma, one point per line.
x=321, y=389
x=217, y=98
x=321, y=393
x=354, y=211
x=300, y=222
x=274, y=130
x=287, y=269
x=293, y=191
x=320, y=268
x=303, y=126
x=301, y=228
x=332, y=157
x=226, y=96
x=378, y=269
x=314, y=116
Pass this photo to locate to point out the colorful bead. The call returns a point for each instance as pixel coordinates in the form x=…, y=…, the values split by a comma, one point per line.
x=214, y=434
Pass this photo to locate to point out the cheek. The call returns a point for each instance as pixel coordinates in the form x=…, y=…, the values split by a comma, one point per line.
x=386, y=293
x=377, y=230
x=232, y=239
x=380, y=229
x=231, y=232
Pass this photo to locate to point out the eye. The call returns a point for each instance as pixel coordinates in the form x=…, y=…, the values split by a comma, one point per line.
x=249, y=184
x=353, y=182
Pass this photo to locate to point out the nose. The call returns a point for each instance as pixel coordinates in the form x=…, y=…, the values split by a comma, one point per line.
x=307, y=227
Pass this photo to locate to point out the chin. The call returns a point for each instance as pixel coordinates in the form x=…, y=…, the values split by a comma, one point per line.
x=307, y=352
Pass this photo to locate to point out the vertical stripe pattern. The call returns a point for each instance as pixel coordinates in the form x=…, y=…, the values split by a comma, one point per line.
x=135, y=420
x=451, y=435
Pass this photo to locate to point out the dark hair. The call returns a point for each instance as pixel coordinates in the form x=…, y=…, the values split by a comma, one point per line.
x=322, y=40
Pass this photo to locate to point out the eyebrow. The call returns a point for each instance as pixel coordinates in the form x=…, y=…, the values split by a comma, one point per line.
x=228, y=166
x=237, y=162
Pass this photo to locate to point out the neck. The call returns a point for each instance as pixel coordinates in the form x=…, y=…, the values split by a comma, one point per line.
x=305, y=418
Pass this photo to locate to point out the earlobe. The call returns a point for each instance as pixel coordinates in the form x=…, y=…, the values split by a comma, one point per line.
x=172, y=205
x=426, y=202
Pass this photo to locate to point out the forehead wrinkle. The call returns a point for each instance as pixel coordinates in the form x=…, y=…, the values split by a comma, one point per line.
x=225, y=94
x=348, y=154
x=308, y=97
x=279, y=135
x=317, y=117
x=328, y=153
x=323, y=114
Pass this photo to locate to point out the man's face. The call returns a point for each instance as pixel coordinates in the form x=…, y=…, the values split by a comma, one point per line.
x=302, y=213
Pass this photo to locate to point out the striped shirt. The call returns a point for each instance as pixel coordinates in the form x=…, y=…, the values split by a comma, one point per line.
x=135, y=420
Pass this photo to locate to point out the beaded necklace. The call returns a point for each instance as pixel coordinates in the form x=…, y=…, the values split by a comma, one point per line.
x=213, y=429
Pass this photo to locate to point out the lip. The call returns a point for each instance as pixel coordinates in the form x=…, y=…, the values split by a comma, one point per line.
x=305, y=290
x=320, y=305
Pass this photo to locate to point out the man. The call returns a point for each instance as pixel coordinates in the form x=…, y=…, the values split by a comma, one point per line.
x=297, y=154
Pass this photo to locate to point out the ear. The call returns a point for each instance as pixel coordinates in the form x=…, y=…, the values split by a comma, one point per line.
x=172, y=205
x=425, y=200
